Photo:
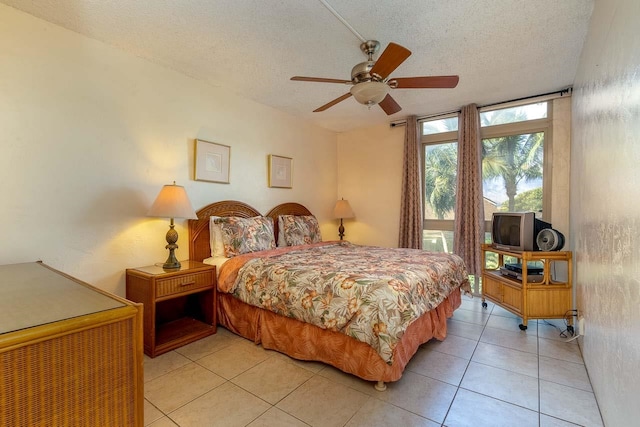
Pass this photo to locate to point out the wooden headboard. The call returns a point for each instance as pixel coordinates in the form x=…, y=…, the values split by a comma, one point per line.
x=199, y=245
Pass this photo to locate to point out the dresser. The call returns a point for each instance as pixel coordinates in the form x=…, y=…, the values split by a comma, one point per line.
x=70, y=354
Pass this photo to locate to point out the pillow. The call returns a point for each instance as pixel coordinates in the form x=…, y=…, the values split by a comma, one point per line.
x=217, y=261
x=281, y=239
x=215, y=238
x=300, y=230
x=244, y=235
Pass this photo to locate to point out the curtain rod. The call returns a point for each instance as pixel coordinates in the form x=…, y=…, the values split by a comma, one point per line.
x=560, y=93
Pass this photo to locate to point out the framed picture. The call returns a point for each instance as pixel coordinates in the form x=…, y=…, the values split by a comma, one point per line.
x=280, y=171
x=212, y=162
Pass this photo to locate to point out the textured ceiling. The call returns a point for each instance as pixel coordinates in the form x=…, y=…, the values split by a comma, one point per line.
x=501, y=49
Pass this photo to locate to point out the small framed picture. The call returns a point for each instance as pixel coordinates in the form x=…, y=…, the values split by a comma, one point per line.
x=212, y=162
x=280, y=171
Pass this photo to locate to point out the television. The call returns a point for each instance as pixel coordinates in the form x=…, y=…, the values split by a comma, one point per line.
x=516, y=231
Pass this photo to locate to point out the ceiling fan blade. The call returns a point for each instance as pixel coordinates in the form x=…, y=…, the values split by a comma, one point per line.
x=443, y=82
x=391, y=58
x=332, y=103
x=319, y=80
x=389, y=105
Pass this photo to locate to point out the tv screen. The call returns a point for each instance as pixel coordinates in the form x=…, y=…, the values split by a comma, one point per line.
x=516, y=231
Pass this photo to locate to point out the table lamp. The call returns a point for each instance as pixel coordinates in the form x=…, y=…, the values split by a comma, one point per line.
x=342, y=210
x=172, y=202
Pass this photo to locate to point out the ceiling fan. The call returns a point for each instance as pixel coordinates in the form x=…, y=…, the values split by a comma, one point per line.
x=370, y=79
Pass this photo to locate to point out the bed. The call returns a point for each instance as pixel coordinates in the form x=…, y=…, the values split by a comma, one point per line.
x=308, y=341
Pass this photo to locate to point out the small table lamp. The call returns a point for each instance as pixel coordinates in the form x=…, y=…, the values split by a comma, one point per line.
x=172, y=202
x=342, y=210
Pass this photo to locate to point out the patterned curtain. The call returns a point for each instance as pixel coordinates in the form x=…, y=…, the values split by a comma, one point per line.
x=469, y=222
x=411, y=214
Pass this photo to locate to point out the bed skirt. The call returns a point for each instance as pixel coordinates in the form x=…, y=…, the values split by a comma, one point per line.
x=304, y=341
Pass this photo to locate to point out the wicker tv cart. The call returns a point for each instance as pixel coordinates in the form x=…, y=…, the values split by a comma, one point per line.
x=70, y=354
x=544, y=298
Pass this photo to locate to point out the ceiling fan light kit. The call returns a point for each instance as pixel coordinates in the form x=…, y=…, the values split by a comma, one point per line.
x=370, y=79
x=369, y=93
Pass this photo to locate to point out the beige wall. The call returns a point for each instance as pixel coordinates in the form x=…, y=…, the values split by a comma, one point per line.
x=370, y=177
x=605, y=206
x=89, y=135
x=561, y=169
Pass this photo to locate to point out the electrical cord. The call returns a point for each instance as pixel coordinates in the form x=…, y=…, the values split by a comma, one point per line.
x=569, y=330
x=568, y=315
x=555, y=326
x=561, y=332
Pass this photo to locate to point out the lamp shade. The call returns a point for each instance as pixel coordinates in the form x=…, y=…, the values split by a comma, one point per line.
x=369, y=93
x=172, y=202
x=343, y=209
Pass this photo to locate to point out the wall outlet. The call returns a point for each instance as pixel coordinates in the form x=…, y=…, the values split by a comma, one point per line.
x=580, y=330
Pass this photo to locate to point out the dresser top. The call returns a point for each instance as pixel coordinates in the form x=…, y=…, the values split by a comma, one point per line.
x=32, y=294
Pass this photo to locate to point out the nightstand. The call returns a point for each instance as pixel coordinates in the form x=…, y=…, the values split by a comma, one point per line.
x=179, y=305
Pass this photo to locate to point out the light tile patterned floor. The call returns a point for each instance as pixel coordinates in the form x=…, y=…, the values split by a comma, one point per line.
x=486, y=373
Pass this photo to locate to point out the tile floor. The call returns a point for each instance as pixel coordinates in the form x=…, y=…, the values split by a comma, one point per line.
x=486, y=373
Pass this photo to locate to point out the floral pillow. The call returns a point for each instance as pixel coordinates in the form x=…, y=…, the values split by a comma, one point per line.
x=243, y=235
x=300, y=230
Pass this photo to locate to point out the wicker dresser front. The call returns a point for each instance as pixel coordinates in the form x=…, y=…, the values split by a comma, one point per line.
x=83, y=368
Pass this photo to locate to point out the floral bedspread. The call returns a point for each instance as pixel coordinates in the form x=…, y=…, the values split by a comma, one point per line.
x=369, y=293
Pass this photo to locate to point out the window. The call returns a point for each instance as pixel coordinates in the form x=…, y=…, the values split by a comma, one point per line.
x=440, y=151
x=514, y=142
x=513, y=163
x=447, y=124
x=520, y=113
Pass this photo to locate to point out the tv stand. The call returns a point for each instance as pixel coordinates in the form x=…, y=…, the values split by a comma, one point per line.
x=526, y=297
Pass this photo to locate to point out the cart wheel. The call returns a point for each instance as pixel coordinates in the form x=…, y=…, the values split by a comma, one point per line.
x=484, y=304
x=571, y=331
x=522, y=327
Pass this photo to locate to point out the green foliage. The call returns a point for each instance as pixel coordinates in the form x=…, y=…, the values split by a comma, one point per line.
x=514, y=158
x=440, y=178
x=527, y=201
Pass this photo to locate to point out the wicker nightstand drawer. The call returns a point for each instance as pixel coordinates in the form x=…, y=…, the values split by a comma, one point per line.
x=180, y=284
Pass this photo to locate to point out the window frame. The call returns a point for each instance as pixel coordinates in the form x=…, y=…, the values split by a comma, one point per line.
x=544, y=125
x=435, y=139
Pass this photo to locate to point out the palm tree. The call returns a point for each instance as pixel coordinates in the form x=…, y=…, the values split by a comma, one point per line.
x=440, y=178
x=515, y=158
x=440, y=168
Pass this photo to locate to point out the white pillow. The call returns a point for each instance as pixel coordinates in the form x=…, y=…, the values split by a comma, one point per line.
x=215, y=238
x=281, y=239
x=217, y=261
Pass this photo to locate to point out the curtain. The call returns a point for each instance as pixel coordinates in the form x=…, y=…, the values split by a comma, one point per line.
x=469, y=222
x=411, y=214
